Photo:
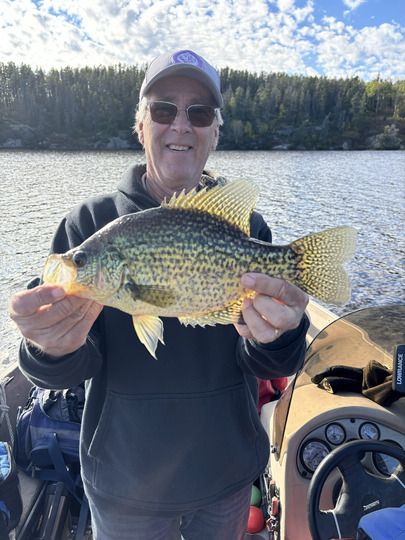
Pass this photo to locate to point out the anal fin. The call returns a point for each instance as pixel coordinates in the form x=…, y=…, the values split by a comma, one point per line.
x=228, y=315
x=149, y=329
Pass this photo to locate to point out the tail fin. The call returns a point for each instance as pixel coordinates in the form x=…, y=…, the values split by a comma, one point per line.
x=320, y=270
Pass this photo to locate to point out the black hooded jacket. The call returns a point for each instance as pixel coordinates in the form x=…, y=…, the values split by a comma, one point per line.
x=168, y=435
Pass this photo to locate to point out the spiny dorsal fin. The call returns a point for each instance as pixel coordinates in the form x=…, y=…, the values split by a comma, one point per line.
x=232, y=203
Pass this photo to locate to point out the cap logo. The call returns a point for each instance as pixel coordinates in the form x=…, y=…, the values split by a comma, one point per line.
x=187, y=57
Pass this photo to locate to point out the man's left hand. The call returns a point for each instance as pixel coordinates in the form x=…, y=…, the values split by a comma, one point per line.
x=278, y=306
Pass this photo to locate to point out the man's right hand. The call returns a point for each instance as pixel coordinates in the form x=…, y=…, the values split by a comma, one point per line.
x=56, y=323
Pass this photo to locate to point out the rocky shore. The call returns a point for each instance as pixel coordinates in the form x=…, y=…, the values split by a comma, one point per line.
x=20, y=136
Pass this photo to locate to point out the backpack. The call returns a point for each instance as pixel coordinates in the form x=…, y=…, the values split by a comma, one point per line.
x=10, y=494
x=46, y=442
x=49, y=421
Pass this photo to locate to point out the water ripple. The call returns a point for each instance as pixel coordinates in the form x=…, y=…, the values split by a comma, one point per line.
x=301, y=192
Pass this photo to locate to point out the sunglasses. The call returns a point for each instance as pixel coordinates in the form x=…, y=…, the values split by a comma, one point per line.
x=164, y=112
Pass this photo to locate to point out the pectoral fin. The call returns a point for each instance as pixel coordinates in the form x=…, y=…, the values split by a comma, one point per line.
x=151, y=294
x=149, y=330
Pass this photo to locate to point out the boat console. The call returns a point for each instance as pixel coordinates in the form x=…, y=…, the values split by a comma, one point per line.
x=323, y=411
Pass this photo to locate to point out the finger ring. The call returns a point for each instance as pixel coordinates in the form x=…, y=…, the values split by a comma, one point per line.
x=276, y=333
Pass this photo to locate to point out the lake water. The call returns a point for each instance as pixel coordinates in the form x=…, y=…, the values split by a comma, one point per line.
x=301, y=193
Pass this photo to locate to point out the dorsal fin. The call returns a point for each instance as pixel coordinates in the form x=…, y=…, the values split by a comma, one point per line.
x=233, y=202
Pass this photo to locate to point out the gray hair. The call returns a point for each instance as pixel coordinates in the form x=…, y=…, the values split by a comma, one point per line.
x=142, y=107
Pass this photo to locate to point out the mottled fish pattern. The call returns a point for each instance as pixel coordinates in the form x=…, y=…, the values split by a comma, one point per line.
x=185, y=259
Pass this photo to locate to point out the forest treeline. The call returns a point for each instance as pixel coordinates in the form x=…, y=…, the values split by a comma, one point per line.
x=93, y=107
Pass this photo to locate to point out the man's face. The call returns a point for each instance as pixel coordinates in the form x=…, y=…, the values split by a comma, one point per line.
x=176, y=153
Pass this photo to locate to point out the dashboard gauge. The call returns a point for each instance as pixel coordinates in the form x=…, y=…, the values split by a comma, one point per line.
x=369, y=431
x=385, y=464
x=335, y=433
x=312, y=454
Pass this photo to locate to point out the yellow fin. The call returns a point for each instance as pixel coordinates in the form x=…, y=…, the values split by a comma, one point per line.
x=149, y=330
x=229, y=315
x=233, y=202
x=151, y=294
x=319, y=270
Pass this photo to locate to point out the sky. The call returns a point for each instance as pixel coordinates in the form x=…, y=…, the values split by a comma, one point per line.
x=333, y=38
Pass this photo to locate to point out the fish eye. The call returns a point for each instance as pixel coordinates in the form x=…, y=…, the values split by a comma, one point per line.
x=80, y=259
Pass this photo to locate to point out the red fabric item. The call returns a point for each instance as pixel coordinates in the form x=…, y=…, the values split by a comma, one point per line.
x=268, y=389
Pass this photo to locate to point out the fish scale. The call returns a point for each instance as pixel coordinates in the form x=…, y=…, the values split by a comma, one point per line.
x=190, y=262
x=185, y=259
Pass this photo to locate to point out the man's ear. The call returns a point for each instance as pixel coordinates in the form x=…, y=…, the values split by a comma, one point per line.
x=215, y=141
x=140, y=133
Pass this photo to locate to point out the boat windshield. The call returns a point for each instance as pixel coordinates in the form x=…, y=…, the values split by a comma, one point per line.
x=353, y=340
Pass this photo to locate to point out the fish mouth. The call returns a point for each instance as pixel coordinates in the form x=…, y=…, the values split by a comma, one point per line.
x=60, y=271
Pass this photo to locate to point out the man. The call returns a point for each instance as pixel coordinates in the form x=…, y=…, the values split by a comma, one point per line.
x=177, y=439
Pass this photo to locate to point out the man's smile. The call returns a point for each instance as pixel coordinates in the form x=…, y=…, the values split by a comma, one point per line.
x=178, y=148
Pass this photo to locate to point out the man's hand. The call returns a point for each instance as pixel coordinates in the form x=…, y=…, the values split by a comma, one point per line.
x=55, y=323
x=277, y=307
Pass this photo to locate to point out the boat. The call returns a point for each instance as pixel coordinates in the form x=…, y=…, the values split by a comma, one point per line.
x=334, y=456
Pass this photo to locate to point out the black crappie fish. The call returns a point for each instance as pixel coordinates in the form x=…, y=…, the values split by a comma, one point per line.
x=185, y=259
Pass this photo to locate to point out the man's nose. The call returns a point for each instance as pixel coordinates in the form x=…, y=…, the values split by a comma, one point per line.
x=181, y=122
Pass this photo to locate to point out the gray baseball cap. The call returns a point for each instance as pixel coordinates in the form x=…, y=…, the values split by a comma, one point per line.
x=186, y=63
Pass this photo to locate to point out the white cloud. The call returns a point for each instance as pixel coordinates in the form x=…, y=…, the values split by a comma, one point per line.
x=368, y=52
x=285, y=5
x=256, y=35
x=353, y=4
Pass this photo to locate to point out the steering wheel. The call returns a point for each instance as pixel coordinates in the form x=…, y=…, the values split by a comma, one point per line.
x=362, y=492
